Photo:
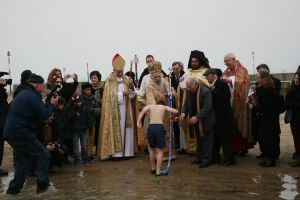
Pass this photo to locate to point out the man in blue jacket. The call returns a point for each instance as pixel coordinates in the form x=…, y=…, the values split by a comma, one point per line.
x=26, y=113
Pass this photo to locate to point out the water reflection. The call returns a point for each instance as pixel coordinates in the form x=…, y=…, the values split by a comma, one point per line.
x=289, y=184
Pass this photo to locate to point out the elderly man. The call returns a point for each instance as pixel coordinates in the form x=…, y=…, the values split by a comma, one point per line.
x=199, y=110
x=237, y=78
x=198, y=64
x=26, y=113
x=116, y=136
x=225, y=128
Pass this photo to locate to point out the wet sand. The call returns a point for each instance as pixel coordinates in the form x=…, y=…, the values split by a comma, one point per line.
x=131, y=179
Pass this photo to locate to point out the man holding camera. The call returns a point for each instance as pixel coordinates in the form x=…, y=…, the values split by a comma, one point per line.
x=26, y=112
x=3, y=114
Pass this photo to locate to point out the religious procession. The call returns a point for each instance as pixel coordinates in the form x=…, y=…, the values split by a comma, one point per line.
x=201, y=111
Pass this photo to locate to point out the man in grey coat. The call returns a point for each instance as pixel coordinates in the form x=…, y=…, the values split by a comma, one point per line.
x=199, y=109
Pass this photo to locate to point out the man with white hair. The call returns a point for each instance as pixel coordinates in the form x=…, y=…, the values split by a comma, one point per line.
x=198, y=109
x=236, y=75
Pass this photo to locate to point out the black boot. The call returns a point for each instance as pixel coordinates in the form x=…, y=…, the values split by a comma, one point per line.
x=268, y=163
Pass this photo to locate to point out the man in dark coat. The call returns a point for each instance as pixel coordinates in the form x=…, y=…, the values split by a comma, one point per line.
x=26, y=112
x=3, y=114
x=277, y=85
x=198, y=107
x=177, y=72
x=225, y=128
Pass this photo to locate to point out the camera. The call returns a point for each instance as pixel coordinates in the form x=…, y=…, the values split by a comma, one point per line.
x=8, y=81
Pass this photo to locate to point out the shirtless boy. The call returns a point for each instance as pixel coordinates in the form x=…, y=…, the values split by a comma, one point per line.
x=156, y=134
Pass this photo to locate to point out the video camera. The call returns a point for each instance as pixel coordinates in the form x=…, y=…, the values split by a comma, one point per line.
x=7, y=81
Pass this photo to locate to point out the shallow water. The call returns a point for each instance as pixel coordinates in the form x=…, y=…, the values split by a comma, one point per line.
x=131, y=179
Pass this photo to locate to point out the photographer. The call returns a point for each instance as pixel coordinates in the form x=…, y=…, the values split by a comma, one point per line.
x=3, y=114
x=26, y=113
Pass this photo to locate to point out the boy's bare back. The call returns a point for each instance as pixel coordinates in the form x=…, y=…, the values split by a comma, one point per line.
x=156, y=113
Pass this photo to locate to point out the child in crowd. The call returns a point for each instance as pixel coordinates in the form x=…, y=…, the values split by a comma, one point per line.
x=78, y=121
x=156, y=134
x=92, y=108
x=95, y=78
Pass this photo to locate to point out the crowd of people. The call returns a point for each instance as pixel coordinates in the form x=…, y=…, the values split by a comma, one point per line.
x=117, y=118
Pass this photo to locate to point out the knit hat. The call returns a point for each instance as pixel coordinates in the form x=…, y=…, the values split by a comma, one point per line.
x=118, y=62
x=34, y=78
x=25, y=75
x=76, y=98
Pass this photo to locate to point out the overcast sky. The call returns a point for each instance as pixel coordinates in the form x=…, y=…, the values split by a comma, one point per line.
x=42, y=34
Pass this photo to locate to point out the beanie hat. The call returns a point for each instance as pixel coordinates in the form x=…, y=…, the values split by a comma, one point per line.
x=34, y=78
x=25, y=75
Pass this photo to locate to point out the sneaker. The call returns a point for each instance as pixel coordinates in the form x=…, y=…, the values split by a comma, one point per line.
x=12, y=191
x=86, y=163
x=76, y=162
x=161, y=173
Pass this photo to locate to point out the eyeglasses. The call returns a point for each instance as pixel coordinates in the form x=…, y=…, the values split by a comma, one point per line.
x=58, y=82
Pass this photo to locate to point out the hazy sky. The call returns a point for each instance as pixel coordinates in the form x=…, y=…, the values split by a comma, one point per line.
x=41, y=34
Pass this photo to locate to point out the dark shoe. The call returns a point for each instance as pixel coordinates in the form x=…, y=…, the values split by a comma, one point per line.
x=203, y=165
x=243, y=153
x=260, y=156
x=153, y=171
x=267, y=163
x=228, y=162
x=42, y=187
x=3, y=173
x=182, y=151
x=12, y=191
x=196, y=162
x=296, y=164
x=116, y=158
x=92, y=159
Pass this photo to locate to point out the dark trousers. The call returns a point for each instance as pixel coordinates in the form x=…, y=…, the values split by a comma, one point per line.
x=97, y=133
x=176, y=135
x=226, y=148
x=295, y=128
x=204, y=149
x=25, y=151
x=1, y=147
x=276, y=147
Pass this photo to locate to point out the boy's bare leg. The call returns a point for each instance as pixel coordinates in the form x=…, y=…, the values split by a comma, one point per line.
x=152, y=155
x=159, y=159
